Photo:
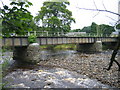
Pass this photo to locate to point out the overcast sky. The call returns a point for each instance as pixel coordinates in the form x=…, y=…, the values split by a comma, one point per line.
x=84, y=18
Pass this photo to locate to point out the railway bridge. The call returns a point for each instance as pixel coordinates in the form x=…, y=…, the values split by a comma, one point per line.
x=23, y=41
x=23, y=51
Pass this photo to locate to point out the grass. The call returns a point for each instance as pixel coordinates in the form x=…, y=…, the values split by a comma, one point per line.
x=66, y=46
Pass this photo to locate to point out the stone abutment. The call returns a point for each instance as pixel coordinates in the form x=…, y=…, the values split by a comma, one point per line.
x=90, y=47
x=29, y=54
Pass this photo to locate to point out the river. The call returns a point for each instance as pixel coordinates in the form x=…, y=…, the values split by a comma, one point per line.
x=90, y=65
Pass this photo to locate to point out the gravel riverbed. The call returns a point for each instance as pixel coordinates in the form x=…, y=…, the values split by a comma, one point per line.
x=76, y=70
x=92, y=65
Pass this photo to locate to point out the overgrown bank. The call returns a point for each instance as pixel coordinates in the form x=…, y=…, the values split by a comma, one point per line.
x=59, y=47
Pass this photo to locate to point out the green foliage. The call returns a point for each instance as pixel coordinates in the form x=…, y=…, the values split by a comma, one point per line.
x=65, y=46
x=76, y=30
x=32, y=39
x=5, y=64
x=118, y=26
x=34, y=26
x=106, y=29
x=6, y=48
x=16, y=19
x=2, y=85
x=94, y=28
x=55, y=17
x=86, y=29
x=59, y=47
x=98, y=29
x=0, y=28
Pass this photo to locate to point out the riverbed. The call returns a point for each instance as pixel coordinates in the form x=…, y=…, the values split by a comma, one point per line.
x=66, y=68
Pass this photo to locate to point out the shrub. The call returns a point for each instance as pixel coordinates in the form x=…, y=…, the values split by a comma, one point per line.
x=32, y=39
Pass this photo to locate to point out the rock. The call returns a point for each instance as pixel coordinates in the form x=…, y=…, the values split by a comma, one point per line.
x=47, y=87
x=21, y=85
x=49, y=82
x=34, y=44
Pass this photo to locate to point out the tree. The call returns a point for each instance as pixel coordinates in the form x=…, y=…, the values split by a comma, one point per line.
x=76, y=30
x=16, y=19
x=55, y=16
x=94, y=28
x=106, y=29
x=86, y=29
x=118, y=26
x=101, y=29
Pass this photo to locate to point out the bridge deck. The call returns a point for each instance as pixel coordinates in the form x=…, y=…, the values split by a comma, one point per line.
x=23, y=41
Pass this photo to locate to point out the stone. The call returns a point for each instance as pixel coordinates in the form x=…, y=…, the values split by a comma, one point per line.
x=29, y=54
x=47, y=87
x=34, y=44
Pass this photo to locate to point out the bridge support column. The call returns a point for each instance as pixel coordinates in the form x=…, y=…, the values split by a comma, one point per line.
x=109, y=45
x=29, y=54
x=90, y=47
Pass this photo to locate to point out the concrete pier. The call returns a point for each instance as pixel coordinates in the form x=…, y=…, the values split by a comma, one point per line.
x=29, y=54
x=90, y=47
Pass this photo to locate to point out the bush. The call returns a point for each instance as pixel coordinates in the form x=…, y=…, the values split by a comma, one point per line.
x=32, y=39
x=3, y=67
x=59, y=47
x=6, y=48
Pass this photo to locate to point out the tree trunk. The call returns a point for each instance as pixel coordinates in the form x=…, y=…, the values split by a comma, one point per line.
x=114, y=54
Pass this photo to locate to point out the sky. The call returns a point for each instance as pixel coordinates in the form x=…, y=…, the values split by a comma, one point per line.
x=83, y=17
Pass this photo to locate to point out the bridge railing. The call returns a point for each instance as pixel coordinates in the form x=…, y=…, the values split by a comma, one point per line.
x=65, y=34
